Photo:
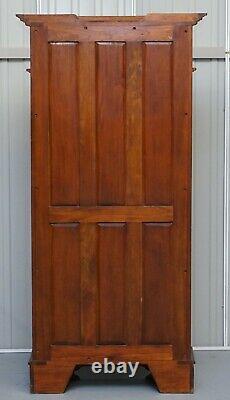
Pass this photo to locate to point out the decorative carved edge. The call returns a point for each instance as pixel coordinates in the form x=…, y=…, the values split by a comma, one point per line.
x=175, y=18
x=151, y=18
x=34, y=19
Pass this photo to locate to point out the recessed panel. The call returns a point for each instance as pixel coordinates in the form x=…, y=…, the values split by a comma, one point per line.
x=111, y=260
x=63, y=124
x=65, y=283
x=157, y=122
x=157, y=284
x=110, y=64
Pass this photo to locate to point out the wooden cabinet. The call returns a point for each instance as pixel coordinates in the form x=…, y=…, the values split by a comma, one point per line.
x=111, y=195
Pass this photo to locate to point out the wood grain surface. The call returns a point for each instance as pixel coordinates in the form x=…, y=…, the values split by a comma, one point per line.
x=111, y=195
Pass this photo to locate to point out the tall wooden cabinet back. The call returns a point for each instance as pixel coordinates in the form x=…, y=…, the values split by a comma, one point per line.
x=111, y=189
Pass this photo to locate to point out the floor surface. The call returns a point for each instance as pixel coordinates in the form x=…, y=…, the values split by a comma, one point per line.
x=212, y=378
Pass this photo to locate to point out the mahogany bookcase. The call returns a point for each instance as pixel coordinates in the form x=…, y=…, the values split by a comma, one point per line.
x=111, y=195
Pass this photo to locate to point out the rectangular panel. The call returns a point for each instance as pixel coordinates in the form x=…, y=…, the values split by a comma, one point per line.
x=157, y=122
x=112, y=214
x=157, y=284
x=64, y=123
x=110, y=32
x=110, y=122
x=41, y=237
x=111, y=283
x=66, y=283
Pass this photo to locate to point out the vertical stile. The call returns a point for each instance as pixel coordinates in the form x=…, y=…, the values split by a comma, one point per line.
x=88, y=192
x=134, y=191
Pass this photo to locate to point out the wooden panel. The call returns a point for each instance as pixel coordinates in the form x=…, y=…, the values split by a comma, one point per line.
x=112, y=214
x=89, y=283
x=181, y=237
x=157, y=284
x=110, y=122
x=134, y=190
x=87, y=125
x=124, y=32
x=88, y=354
x=41, y=242
x=66, y=283
x=64, y=123
x=157, y=123
x=111, y=283
x=123, y=278
x=133, y=283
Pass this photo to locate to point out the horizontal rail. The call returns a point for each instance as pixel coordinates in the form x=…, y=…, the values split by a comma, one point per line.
x=88, y=354
x=66, y=214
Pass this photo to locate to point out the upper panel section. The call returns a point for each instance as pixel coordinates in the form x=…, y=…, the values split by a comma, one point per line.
x=110, y=105
x=110, y=123
x=149, y=19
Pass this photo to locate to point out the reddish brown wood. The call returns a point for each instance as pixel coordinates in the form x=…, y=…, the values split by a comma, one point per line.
x=41, y=231
x=157, y=114
x=112, y=214
x=151, y=18
x=50, y=377
x=172, y=376
x=110, y=57
x=124, y=33
x=134, y=112
x=64, y=125
x=111, y=300
x=87, y=124
x=89, y=284
x=181, y=229
x=66, y=283
x=114, y=352
x=157, y=280
x=111, y=193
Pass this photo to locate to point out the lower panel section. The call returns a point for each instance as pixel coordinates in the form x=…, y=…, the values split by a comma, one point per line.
x=65, y=283
x=112, y=283
x=111, y=256
x=157, y=284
